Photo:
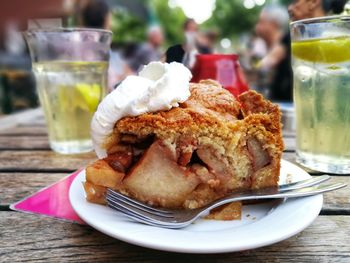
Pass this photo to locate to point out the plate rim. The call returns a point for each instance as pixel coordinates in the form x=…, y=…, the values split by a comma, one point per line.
x=316, y=201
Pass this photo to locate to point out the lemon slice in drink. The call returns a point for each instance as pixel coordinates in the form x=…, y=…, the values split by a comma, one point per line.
x=70, y=98
x=91, y=95
x=323, y=50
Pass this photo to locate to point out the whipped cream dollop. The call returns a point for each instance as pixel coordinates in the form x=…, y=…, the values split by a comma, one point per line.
x=159, y=86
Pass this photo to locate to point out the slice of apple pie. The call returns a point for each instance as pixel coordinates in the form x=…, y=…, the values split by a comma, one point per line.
x=188, y=156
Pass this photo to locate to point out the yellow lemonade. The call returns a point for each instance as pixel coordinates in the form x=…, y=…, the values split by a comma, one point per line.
x=323, y=50
x=321, y=95
x=69, y=93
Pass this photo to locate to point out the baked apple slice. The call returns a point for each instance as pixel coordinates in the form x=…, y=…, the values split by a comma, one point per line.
x=102, y=174
x=158, y=180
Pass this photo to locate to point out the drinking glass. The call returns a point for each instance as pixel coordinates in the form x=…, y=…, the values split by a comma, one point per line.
x=321, y=68
x=70, y=68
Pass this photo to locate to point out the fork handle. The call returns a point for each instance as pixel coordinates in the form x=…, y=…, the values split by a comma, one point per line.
x=273, y=193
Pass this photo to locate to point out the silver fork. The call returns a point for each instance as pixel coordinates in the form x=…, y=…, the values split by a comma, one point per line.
x=171, y=218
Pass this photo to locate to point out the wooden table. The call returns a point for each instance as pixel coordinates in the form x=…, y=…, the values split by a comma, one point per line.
x=27, y=164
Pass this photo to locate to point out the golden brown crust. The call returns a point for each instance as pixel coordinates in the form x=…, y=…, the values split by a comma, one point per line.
x=208, y=106
x=240, y=142
x=253, y=103
x=230, y=211
x=209, y=96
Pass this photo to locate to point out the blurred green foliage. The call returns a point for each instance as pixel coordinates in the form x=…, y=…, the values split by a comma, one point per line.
x=127, y=27
x=231, y=18
x=171, y=20
x=285, y=2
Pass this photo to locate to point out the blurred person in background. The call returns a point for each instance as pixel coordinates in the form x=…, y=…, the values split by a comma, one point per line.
x=185, y=53
x=207, y=41
x=252, y=51
x=258, y=48
x=97, y=14
x=255, y=50
x=280, y=55
x=271, y=27
x=272, y=24
x=302, y=9
x=148, y=51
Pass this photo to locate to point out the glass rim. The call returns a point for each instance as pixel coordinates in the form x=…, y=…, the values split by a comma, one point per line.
x=321, y=19
x=67, y=30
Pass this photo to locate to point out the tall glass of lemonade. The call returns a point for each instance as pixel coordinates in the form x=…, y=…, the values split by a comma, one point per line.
x=321, y=67
x=70, y=68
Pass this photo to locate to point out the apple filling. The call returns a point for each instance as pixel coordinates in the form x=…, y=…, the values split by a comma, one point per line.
x=181, y=174
x=191, y=155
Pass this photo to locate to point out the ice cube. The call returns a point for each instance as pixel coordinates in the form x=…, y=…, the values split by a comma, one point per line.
x=304, y=73
x=334, y=69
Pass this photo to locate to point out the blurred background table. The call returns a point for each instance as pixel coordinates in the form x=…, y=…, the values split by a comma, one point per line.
x=27, y=164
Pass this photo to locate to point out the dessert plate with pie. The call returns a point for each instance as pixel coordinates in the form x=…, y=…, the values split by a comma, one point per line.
x=174, y=144
x=260, y=224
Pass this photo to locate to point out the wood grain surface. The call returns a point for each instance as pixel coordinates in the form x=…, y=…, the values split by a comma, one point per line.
x=15, y=186
x=27, y=164
x=25, y=130
x=30, y=116
x=43, y=160
x=42, y=239
x=24, y=142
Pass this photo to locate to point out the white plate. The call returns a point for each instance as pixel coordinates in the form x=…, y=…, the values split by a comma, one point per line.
x=261, y=224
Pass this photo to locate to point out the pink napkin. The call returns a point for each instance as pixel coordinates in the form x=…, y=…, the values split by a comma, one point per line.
x=52, y=201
